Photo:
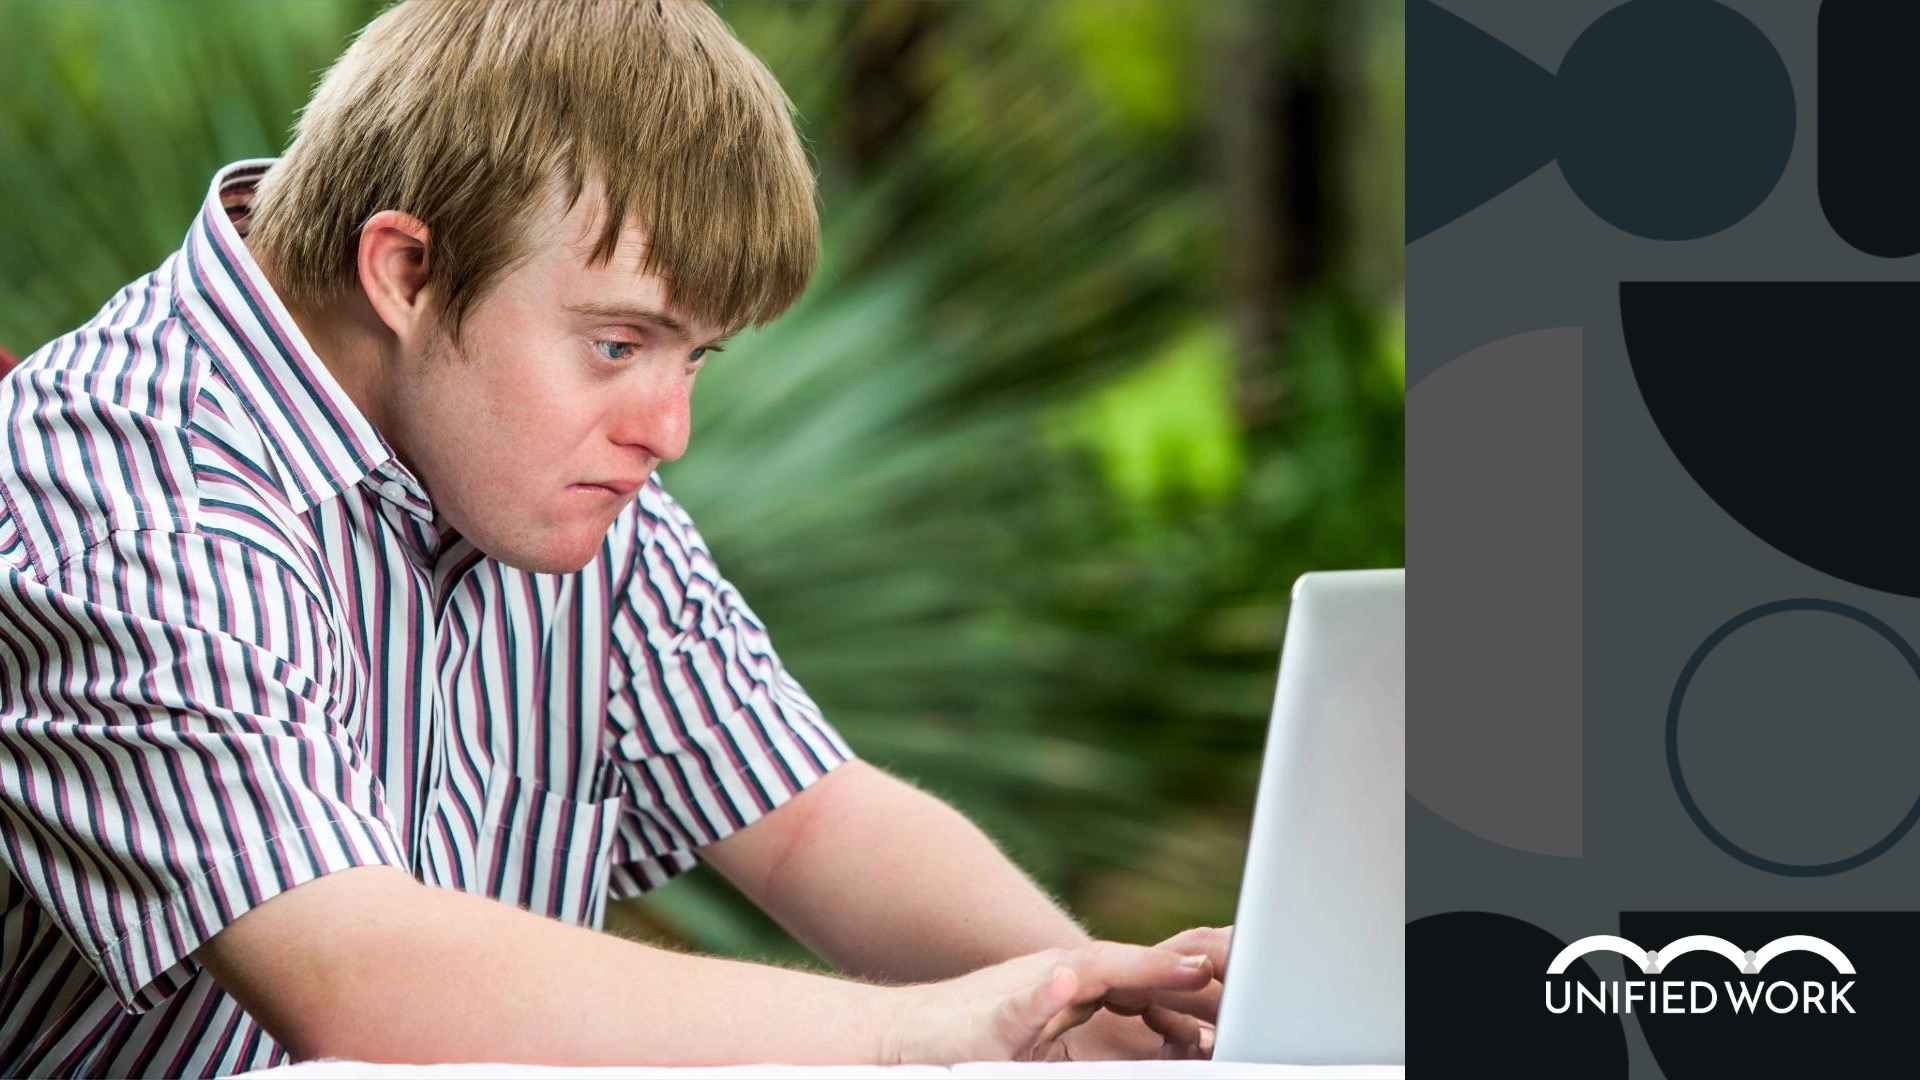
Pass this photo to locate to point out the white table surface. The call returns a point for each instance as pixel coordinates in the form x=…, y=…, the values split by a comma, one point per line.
x=986, y=1070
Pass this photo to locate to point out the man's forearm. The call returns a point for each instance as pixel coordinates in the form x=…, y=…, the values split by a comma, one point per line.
x=889, y=882
x=410, y=973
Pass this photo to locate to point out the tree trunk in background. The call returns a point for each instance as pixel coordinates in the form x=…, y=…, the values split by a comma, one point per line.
x=885, y=93
x=1276, y=101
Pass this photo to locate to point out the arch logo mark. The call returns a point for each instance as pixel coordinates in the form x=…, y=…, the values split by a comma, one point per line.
x=1652, y=961
x=1655, y=994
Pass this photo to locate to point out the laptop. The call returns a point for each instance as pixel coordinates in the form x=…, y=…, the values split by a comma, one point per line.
x=1316, y=974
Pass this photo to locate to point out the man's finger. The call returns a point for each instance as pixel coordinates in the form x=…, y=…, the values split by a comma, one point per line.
x=1105, y=967
x=1179, y=1028
x=1202, y=1004
x=1209, y=941
x=1170, y=1051
x=1025, y=1015
x=1066, y=1020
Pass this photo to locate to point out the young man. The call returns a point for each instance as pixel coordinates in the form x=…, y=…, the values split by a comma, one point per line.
x=351, y=658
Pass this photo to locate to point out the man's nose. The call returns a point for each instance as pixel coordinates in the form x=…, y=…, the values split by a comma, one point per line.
x=659, y=418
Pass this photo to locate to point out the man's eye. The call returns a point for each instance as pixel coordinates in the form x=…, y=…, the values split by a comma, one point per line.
x=617, y=345
x=694, y=356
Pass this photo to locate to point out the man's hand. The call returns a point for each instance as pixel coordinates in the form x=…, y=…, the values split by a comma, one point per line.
x=1176, y=1024
x=1021, y=1009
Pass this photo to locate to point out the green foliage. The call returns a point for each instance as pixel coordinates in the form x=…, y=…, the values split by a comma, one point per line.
x=995, y=485
x=1165, y=431
x=113, y=117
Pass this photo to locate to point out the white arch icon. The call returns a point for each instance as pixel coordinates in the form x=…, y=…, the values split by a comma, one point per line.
x=1653, y=962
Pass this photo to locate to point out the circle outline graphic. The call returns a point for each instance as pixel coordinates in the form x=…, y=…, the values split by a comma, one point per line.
x=1831, y=607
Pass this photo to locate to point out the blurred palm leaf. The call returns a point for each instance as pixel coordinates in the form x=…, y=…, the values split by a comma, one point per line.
x=114, y=117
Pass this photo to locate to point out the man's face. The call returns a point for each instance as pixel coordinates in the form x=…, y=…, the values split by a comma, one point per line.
x=572, y=387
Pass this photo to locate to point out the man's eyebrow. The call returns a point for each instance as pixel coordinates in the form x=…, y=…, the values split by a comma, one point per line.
x=602, y=309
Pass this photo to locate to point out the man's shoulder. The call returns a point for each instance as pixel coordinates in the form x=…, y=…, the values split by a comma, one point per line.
x=95, y=427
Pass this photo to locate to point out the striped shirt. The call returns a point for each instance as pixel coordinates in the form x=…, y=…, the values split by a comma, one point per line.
x=238, y=651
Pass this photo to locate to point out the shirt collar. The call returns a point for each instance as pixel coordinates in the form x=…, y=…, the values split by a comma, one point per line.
x=321, y=442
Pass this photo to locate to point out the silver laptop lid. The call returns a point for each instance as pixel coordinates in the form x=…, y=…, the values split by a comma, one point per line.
x=1317, y=972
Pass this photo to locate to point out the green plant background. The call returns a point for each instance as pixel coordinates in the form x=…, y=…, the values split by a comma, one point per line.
x=1106, y=349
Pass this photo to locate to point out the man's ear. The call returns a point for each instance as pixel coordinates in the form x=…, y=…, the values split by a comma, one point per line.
x=393, y=271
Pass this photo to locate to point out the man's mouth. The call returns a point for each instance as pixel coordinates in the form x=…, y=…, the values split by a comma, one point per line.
x=620, y=488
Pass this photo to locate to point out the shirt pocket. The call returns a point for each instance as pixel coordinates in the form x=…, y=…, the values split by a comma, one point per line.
x=548, y=853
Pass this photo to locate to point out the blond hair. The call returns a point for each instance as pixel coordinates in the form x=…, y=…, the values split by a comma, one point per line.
x=467, y=115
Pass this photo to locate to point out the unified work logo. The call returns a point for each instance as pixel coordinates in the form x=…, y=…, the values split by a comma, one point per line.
x=1749, y=994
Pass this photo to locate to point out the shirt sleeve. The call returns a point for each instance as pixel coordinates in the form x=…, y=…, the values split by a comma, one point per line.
x=710, y=728
x=172, y=750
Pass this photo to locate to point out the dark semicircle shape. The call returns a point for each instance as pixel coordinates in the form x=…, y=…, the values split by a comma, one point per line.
x=1476, y=1008
x=1796, y=407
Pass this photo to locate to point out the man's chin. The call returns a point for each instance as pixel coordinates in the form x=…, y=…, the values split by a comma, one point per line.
x=549, y=566
x=564, y=557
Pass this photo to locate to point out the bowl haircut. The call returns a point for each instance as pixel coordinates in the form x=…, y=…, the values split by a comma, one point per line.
x=483, y=118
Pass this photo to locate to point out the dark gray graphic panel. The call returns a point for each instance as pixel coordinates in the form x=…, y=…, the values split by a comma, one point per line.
x=1663, y=679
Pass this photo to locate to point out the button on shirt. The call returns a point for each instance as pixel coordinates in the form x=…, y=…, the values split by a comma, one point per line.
x=238, y=651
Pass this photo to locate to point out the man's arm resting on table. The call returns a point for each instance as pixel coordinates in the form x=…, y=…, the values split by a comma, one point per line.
x=369, y=964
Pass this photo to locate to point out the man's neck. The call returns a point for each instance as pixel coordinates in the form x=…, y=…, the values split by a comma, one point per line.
x=353, y=343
